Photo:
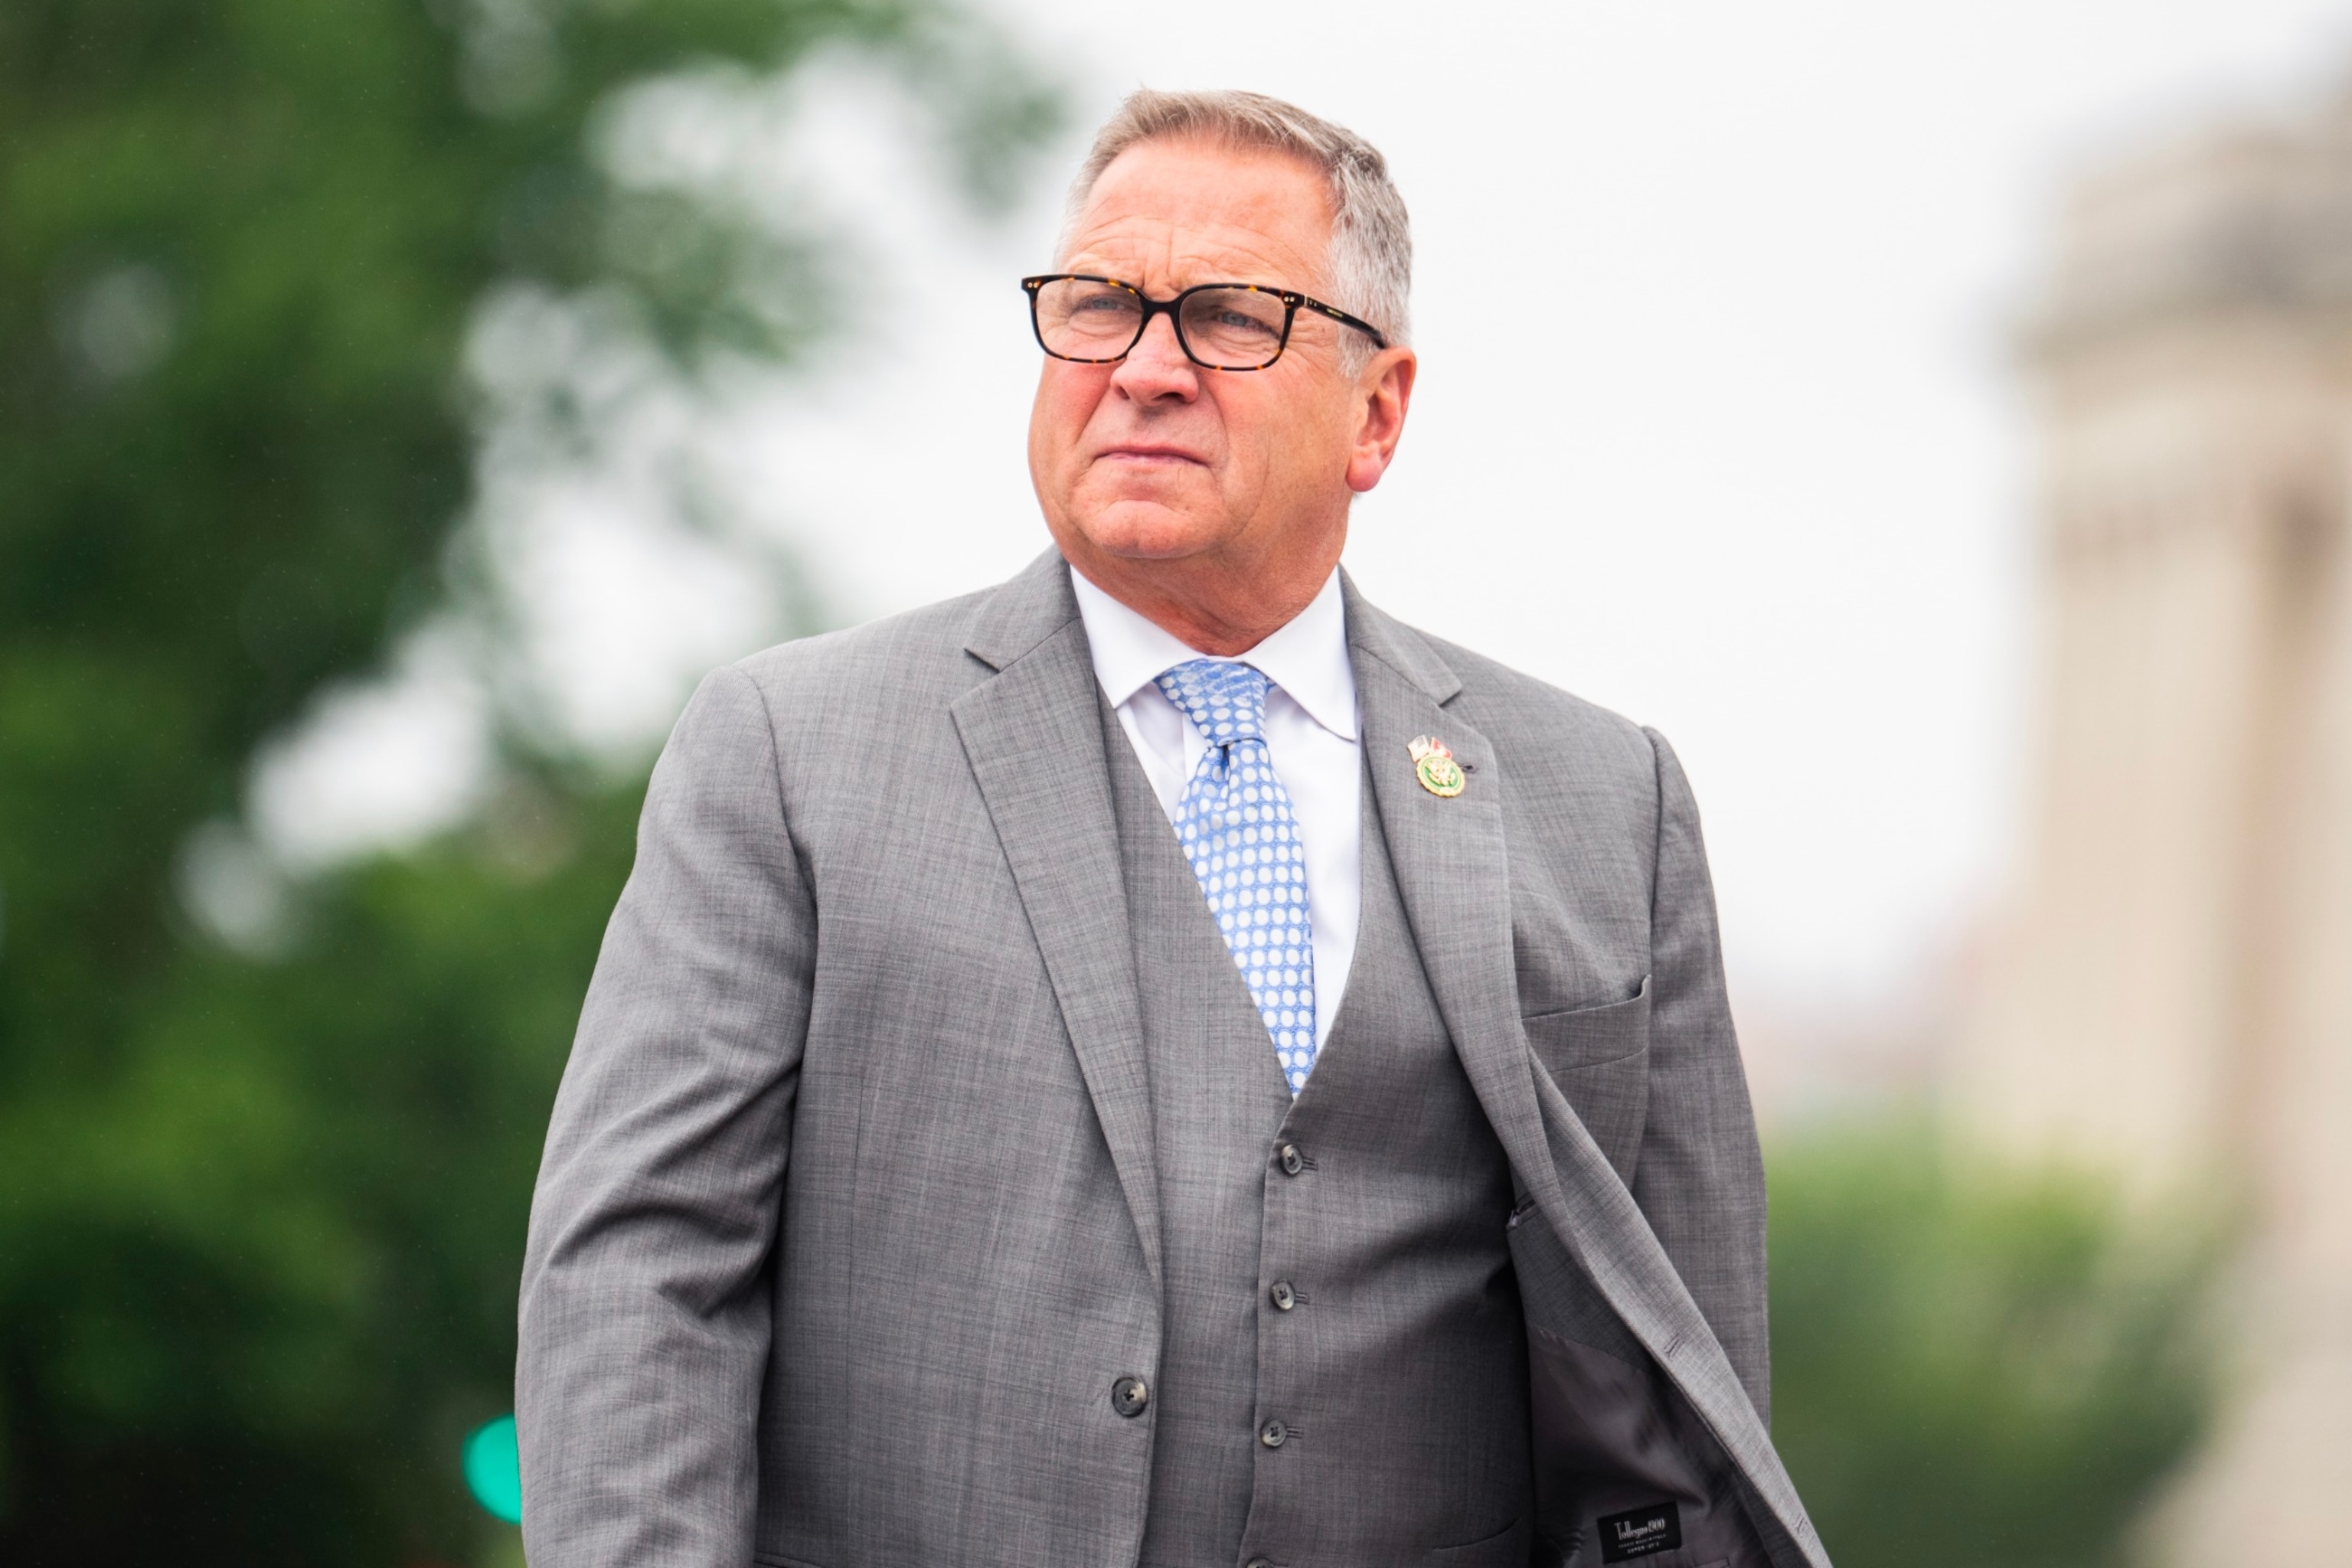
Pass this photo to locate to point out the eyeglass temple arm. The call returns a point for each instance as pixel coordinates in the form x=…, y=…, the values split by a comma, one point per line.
x=1336, y=314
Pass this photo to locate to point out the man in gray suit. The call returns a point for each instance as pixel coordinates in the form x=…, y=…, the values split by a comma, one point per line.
x=1158, y=1062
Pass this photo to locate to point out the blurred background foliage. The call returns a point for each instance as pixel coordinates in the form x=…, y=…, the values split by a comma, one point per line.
x=261, y=1204
x=262, y=1200
x=1975, y=1365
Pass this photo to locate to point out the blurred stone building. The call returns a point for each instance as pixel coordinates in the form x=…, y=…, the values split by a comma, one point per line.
x=2170, y=996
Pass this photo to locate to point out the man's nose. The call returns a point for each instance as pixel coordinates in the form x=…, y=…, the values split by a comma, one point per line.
x=1155, y=370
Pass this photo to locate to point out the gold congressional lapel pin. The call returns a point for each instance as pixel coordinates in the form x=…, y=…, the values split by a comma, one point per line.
x=1435, y=766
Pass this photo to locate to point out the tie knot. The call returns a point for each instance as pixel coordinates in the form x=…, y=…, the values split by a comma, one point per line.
x=1225, y=701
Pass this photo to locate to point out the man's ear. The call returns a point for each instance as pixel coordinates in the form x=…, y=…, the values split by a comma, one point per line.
x=1384, y=392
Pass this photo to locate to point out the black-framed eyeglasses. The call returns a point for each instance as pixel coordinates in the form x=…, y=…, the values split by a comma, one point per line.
x=1220, y=326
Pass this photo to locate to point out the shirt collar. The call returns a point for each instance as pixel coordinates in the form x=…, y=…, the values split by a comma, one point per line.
x=1306, y=657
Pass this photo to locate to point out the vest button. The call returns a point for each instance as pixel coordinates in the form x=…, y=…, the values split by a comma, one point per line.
x=1285, y=1298
x=1293, y=1162
x=1274, y=1433
x=1129, y=1396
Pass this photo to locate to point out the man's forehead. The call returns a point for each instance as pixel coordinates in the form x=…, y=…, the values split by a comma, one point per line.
x=1184, y=211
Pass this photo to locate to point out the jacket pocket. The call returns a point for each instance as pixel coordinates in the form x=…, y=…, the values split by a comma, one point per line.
x=1599, y=1059
x=1592, y=1037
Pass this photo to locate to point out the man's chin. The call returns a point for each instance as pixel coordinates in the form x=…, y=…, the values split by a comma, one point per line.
x=1150, y=530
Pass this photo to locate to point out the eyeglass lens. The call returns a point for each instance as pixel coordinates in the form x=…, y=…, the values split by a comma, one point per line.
x=1228, y=329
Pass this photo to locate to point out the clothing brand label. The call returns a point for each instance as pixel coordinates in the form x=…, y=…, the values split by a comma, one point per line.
x=1637, y=1532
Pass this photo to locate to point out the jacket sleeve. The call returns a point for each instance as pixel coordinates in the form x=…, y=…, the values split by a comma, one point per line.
x=645, y=1314
x=1699, y=1179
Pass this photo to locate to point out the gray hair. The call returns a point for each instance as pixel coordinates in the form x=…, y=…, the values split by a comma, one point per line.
x=1372, y=237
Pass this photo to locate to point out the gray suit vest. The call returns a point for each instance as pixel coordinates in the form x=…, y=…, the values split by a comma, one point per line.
x=1343, y=1375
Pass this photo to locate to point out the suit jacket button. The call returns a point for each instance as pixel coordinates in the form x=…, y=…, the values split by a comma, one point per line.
x=1285, y=1298
x=1129, y=1396
x=1274, y=1433
x=1293, y=1162
x=1259, y=1562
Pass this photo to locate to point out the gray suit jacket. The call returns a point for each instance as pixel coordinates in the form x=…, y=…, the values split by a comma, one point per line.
x=848, y=1221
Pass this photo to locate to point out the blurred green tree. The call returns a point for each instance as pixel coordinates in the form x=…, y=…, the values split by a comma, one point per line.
x=260, y=1217
x=1975, y=1367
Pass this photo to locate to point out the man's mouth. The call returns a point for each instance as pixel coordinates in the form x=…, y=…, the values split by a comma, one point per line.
x=1149, y=455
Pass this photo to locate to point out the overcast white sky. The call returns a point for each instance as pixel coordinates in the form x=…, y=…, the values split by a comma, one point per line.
x=1715, y=424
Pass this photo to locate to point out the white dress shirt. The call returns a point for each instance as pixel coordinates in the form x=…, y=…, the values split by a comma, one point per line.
x=1311, y=737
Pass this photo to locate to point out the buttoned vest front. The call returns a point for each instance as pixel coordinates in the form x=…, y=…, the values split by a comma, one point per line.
x=1343, y=1373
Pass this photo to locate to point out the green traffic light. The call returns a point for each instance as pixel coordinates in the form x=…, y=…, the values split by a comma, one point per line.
x=494, y=1469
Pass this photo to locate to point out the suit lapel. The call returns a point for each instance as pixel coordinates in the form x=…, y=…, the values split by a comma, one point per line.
x=1453, y=872
x=1033, y=734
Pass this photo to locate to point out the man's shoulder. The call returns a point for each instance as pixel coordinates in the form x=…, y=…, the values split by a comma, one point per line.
x=915, y=654
x=924, y=656
x=1536, y=725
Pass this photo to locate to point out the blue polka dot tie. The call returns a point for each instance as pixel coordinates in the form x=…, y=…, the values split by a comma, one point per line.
x=1242, y=840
